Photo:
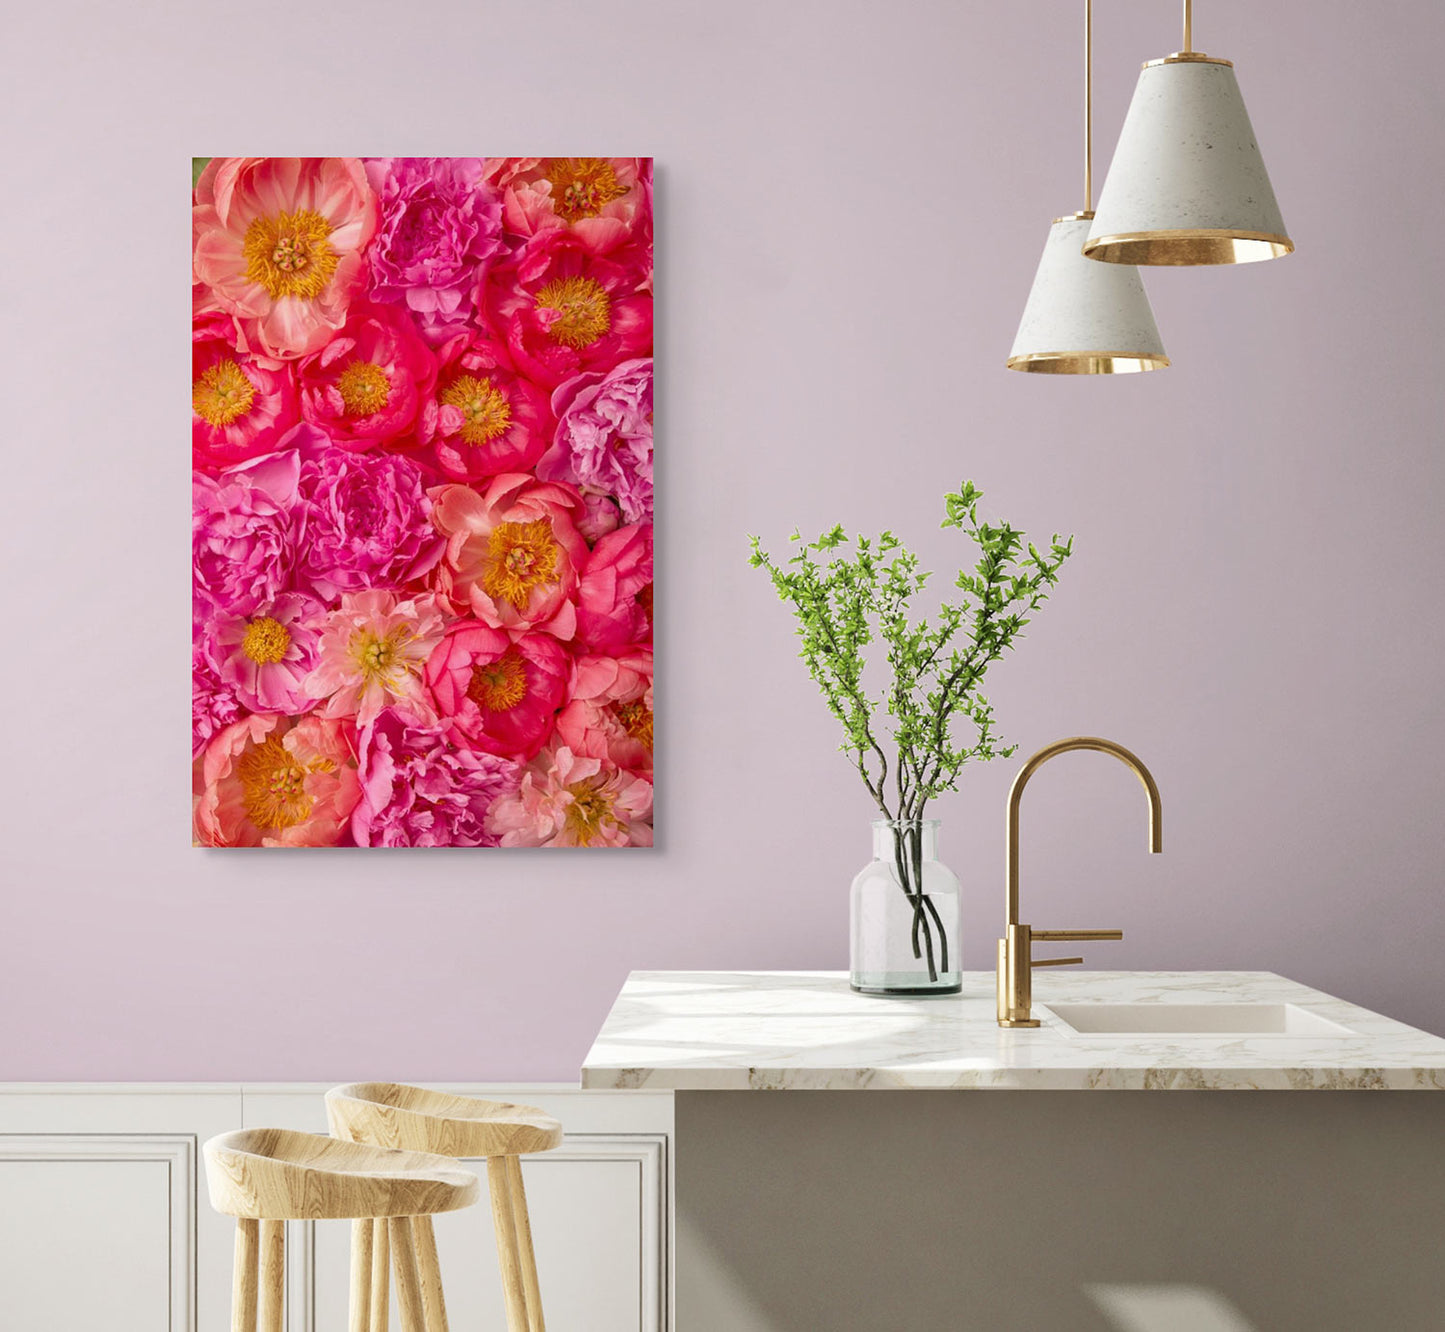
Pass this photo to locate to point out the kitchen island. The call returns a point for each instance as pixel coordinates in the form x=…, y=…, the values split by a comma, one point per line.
x=880, y=1197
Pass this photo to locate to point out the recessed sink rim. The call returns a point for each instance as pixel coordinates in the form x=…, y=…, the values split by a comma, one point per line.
x=1235, y=1020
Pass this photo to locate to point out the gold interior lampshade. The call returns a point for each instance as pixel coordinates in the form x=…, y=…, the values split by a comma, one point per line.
x=1187, y=184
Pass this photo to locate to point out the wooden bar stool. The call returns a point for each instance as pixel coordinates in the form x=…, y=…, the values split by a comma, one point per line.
x=266, y=1177
x=387, y=1114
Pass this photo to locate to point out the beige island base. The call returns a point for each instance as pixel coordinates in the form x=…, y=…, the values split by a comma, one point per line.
x=926, y=1169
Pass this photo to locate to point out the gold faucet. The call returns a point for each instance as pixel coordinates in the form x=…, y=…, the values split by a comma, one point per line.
x=1015, y=950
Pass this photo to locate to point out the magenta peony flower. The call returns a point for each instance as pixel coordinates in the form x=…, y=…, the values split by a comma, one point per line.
x=268, y=781
x=614, y=594
x=560, y=310
x=567, y=800
x=419, y=789
x=368, y=384
x=371, y=656
x=265, y=656
x=610, y=714
x=484, y=419
x=241, y=534
x=240, y=404
x=213, y=702
x=599, y=199
x=603, y=444
x=278, y=241
x=440, y=222
x=498, y=693
x=513, y=552
x=363, y=521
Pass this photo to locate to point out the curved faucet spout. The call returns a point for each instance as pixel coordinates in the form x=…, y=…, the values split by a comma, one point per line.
x=1015, y=795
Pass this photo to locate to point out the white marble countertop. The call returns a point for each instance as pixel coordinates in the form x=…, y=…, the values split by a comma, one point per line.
x=806, y=1030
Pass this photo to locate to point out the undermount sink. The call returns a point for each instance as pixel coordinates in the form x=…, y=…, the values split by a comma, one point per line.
x=1171, y=1019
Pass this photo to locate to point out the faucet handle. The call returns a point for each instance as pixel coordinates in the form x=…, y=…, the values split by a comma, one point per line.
x=1074, y=936
x=1055, y=961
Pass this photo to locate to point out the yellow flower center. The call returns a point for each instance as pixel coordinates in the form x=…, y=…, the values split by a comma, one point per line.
x=589, y=810
x=498, y=686
x=636, y=719
x=364, y=388
x=222, y=394
x=581, y=186
x=584, y=311
x=487, y=411
x=377, y=657
x=266, y=641
x=289, y=254
x=519, y=557
x=273, y=784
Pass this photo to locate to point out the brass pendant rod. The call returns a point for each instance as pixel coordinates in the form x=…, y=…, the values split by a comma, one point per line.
x=1188, y=25
x=1088, y=106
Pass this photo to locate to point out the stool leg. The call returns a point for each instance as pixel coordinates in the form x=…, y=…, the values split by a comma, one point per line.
x=245, y=1275
x=360, y=1303
x=524, y=1245
x=408, y=1280
x=273, y=1276
x=504, y=1221
x=380, y=1274
x=424, y=1237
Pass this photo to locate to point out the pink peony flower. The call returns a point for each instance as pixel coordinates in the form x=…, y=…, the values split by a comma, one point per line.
x=368, y=384
x=610, y=715
x=614, y=595
x=372, y=652
x=363, y=521
x=603, y=444
x=567, y=800
x=213, y=702
x=240, y=404
x=600, y=200
x=561, y=310
x=269, y=781
x=485, y=420
x=419, y=789
x=241, y=547
x=265, y=656
x=513, y=552
x=498, y=693
x=440, y=222
x=279, y=241
x=600, y=515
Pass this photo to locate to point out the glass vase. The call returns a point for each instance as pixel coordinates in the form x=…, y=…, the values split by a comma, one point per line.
x=904, y=914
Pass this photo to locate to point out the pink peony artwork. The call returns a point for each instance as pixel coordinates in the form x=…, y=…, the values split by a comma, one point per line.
x=422, y=502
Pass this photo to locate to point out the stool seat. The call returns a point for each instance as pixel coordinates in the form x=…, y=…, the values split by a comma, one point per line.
x=420, y=1120
x=281, y=1175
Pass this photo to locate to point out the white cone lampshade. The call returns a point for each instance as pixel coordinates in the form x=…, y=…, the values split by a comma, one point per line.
x=1084, y=318
x=1187, y=184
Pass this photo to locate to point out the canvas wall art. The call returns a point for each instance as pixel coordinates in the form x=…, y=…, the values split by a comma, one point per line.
x=422, y=502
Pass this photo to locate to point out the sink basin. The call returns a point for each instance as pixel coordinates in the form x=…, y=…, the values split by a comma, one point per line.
x=1194, y=1020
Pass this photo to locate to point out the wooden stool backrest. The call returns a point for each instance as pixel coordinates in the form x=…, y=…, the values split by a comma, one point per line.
x=390, y=1114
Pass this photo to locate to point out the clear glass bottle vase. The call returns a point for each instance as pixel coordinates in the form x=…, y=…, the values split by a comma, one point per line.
x=904, y=914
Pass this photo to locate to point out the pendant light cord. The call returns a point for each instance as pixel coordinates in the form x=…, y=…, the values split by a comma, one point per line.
x=1089, y=105
x=1188, y=25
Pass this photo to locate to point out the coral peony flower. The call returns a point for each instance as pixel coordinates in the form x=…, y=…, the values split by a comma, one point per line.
x=268, y=781
x=363, y=520
x=498, y=693
x=265, y=656
x=419, y=789
x=610, y=715
x=213, y=702
x=372, y=652
x=241, y=546
x=603, y=444
x=600, y=200
x=513, y=551
x=614, y=594
x=561, y=310
x=241, y=405
x=568, y=800
x=440, y=222
x=279, y=241
x=367, y=385
x=484, y=419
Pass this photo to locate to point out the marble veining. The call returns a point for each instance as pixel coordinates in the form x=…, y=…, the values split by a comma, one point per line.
x=806, y=1030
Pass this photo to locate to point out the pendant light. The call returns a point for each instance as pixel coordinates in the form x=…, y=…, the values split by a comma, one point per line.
x=1084, y=318
x=1188, y=184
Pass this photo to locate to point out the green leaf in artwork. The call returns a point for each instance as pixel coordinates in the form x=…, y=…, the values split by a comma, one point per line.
x=198, y=165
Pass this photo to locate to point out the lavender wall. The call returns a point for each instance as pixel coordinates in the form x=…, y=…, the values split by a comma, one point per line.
x=852, y=199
